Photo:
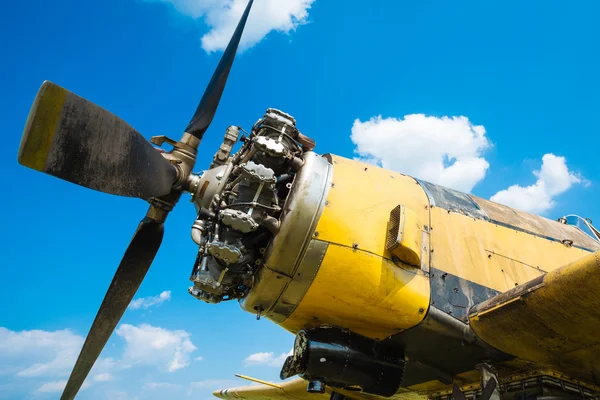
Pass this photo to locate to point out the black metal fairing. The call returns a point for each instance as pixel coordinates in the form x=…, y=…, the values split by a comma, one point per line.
x=342, y=359
x=440, y=348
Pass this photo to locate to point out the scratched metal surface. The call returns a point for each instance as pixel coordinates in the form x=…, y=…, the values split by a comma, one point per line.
x=452, y=200
x=536, y=224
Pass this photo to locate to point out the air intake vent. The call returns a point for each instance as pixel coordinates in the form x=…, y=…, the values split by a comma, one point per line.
x=404, y=236
x=394, y=228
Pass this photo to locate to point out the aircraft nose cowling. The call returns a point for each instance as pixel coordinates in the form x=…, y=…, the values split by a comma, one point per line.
x=329, y=264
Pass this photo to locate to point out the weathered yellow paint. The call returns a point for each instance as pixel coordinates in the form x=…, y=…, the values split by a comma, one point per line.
x=363, y=292
x=296, y=389
x=41, y=125
x=357, y=286
x=492, y=255
x=409, y=239
x=359, y=204
x=536, y=224
x=255, y=380
x=552, y=321
x=292, y=389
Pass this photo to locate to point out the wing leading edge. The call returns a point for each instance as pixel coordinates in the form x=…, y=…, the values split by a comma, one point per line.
x=292, y=389
x=553, y=320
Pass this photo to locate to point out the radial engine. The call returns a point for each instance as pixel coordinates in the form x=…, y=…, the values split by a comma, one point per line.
x=239, y=200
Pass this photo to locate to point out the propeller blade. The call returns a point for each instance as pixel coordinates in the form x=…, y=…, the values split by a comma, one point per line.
x=488, y=390
x=212, y=95
x=457, y=394
x=132, y=270
x=73, y=139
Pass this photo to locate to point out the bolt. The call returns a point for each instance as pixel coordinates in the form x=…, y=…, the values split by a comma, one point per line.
x=355, y=246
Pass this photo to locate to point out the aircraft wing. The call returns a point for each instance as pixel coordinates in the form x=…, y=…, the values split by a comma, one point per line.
x=553, y=320
x=296, y=389
x=292, y=389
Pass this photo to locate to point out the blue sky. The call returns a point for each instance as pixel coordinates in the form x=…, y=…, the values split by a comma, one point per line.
x=357, y=76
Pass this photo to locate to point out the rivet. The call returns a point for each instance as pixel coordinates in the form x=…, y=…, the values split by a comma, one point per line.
x=355, y=246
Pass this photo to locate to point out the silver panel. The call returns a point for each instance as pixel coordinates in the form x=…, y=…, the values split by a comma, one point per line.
x=298, y=286
x=285, y=253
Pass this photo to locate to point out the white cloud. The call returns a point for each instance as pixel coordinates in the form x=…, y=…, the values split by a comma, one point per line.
x=147, y=302
x=268, y=359
x=196, y=388
x=447, y=150
x=40, y=361
x=222, y=16
x=57, y=386
x=104, y=377
x=170, y=350
x=38, y=353
x=162, y=385
x=553, y=179
x=51, y=387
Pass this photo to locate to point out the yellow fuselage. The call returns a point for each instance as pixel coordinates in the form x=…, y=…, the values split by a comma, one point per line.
x=467, y=250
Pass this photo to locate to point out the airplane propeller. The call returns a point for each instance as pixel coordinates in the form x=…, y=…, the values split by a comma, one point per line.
x=73, y=139
x=486, y=393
